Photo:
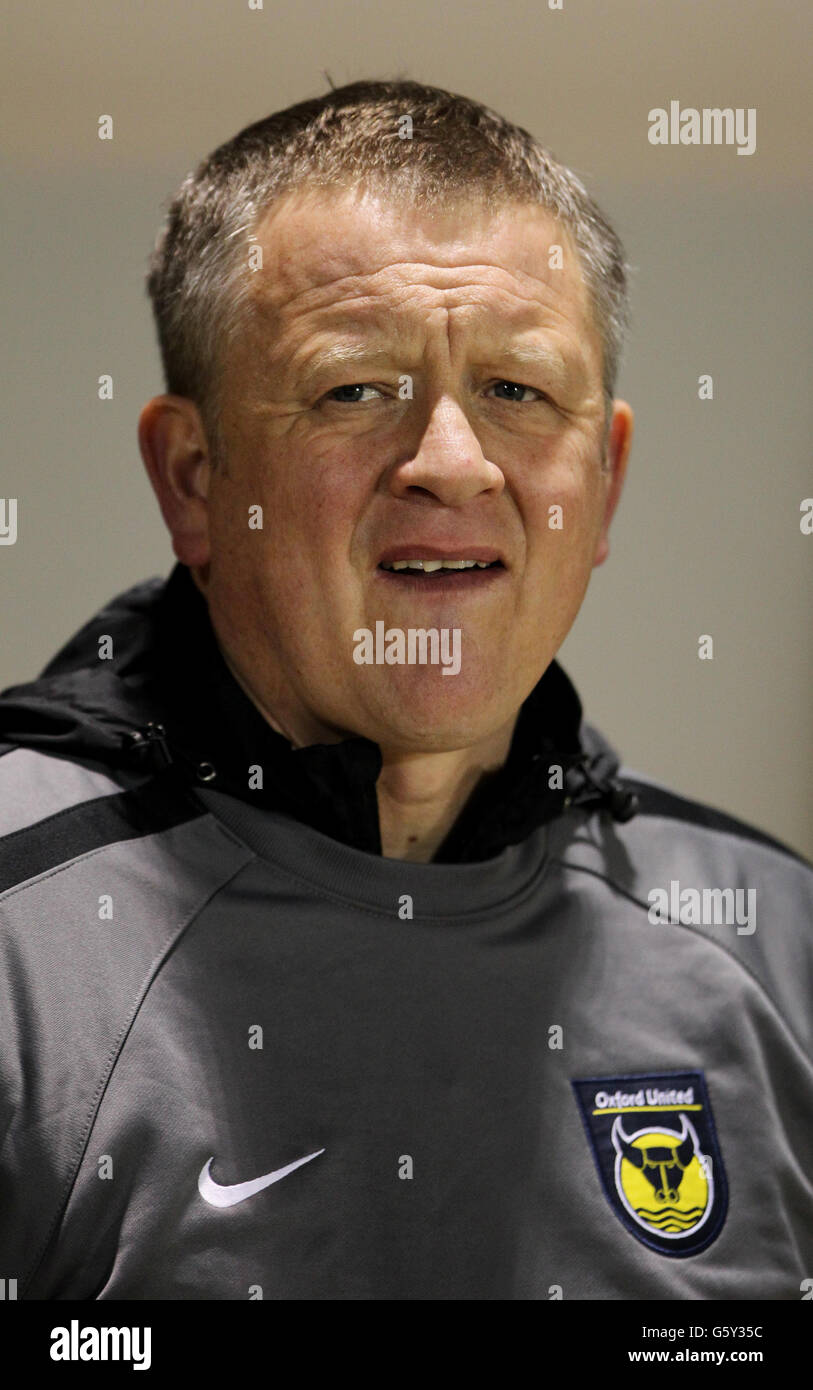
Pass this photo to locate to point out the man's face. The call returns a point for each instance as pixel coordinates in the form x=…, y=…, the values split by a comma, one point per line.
x=503, y=426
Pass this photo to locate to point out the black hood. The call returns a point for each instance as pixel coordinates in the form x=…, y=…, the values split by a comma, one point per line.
x=143, y=684
x=84, y=706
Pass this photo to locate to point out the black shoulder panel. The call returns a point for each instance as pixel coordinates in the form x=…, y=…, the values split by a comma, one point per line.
x=657, y=801
x=156, y=805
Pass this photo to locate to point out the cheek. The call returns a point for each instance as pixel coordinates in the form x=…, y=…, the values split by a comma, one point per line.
x=562, y=528
x=275, y=504
x=567, y=510
x=298, y=563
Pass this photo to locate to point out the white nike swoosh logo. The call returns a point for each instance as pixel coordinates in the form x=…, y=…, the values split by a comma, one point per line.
x=229, y=1196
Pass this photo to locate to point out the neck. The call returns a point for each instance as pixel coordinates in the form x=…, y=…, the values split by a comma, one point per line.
x=420, y=795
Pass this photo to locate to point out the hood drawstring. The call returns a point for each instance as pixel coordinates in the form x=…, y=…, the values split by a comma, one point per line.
x=149, y=744
x=587, y=783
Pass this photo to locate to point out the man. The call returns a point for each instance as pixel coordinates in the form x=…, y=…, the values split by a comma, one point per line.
x=341, y=959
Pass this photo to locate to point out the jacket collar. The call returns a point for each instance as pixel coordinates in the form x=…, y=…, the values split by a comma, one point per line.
x=167, y=695
x=218, y=733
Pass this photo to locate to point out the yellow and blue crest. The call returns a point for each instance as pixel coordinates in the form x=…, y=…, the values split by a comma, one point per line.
x=655, y=1146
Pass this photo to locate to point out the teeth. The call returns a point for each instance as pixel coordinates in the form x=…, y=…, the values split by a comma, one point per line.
x=429, y=566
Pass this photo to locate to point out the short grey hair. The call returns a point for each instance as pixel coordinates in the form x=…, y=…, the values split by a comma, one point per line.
x=199, y=279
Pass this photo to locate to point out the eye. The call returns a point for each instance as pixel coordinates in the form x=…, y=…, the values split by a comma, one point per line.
x=516, y=391
x=339, y=395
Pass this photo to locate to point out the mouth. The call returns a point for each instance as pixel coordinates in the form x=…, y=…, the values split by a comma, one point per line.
x=441, y=574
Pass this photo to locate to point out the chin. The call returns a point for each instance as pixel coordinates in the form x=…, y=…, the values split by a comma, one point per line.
x=424, y=715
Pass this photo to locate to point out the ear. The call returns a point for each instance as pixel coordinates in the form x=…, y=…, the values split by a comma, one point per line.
x=177, y=459
x=618, y=446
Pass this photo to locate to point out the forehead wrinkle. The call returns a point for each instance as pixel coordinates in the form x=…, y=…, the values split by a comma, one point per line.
x=406, y=344
x=475, y=312
x=503, y=304
x=412, y=275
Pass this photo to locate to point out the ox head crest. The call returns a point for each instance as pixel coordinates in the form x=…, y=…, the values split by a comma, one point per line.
x=663, y=1165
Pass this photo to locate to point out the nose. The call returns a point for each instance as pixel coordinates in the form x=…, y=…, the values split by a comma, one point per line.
x=449, y=462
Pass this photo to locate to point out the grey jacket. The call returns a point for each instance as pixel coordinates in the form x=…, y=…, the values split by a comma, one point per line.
x=241, y=1059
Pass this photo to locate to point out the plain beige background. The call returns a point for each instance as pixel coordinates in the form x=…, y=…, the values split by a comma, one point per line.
x=707, y=539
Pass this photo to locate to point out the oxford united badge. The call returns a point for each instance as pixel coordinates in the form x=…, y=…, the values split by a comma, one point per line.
x=656, y=1150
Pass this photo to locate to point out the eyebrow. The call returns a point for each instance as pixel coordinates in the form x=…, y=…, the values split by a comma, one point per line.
x=358, y=354
x=538, y=355
x=341, y=355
